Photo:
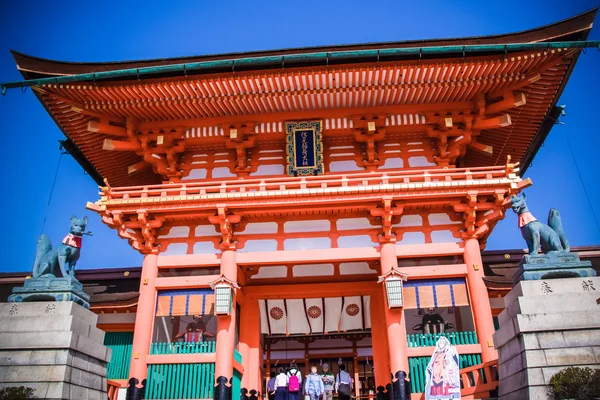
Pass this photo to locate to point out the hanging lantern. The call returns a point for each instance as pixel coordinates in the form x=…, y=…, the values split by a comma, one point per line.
x=393, y=288
x=223, y=299
x=223, y=295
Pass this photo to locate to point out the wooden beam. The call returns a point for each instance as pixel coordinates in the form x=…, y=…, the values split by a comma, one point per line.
x=511, y=100
x=81, y=110
x=524, y=183
x=492, y=123
x=185, y=282
x=312, y=114
x=132, y=169
x=117, y=145
x=484, y=148
x=106, y=129
x=426, y=351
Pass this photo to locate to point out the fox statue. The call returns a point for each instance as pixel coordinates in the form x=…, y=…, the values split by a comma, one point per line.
x=63, y=256
x=550, y=237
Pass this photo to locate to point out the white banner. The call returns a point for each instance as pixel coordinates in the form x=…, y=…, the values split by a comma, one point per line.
x=315, y=316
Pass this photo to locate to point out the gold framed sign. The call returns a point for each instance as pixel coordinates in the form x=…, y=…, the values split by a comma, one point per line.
x=304, y=146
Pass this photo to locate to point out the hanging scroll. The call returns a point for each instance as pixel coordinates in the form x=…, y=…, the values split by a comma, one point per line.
x=304, y=148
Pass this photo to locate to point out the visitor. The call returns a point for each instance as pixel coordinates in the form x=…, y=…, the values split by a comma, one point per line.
x=281, y=385
x=294, y=382
x=343, y=383
x=313, y=385
x=328, y=382
x=271, y=386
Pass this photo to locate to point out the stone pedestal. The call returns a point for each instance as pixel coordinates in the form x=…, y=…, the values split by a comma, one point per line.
x=50, y=288
x=553, y=265
x=54, y=348
x=547, y=325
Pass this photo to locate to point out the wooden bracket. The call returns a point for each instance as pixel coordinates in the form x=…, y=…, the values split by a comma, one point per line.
x=225, y=224
x=241, y=139
x=140, y=232
x=387, y=212
x=369, y=129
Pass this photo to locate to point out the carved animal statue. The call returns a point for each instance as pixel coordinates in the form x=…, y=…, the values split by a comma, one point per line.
x=63, y=256
x=550, y=237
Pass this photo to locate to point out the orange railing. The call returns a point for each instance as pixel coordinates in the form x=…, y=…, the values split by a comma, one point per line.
x=425, y=179
x=479, y=380
x=113, y=390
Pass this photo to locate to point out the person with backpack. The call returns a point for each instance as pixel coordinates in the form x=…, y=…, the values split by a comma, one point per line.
x=294, y=382
x=343, y=383
x=281, y=385
x=313, y=385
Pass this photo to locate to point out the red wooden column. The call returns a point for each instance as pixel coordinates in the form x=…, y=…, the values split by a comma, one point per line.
x=226, y=335
x=144, y=318
x=396, y=329
x=480, y=303
x=252, y=355
x=381, y=354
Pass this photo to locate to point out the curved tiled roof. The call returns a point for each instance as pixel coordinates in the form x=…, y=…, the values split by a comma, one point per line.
x=215, y=95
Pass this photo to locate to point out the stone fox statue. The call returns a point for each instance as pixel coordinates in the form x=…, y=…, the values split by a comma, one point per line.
x=67, y=253
x=550, y=237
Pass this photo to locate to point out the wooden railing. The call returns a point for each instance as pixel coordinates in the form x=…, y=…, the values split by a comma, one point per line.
x=180, y=381
x=430, y=339
x=479, y=380
x=182, y=348
x=112, y=390
x=407, y=179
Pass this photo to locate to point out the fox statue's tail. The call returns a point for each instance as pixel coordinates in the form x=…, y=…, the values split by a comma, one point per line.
x=43, y=247
x=555, y=223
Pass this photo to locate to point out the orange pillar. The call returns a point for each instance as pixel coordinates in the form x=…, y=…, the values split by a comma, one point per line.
x=252, y=356
x=480, y=303
x=396, y=330
x=144, y=318
x=226, y=335
x=379, y=339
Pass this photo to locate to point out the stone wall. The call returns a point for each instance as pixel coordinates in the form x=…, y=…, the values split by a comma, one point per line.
x=547, y=325
x=54, y=348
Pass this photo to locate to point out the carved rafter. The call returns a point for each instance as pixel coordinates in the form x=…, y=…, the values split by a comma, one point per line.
x=390, y=215
x=368, y=130
x=241, y=139
x=225, y=224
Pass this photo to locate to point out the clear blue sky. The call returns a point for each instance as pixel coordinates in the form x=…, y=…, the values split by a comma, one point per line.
x=112, y=31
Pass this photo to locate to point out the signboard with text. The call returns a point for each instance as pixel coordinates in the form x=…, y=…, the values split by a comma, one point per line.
x=304, y=148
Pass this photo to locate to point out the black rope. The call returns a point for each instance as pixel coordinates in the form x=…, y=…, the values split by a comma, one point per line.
x=52, y=191
x=581, y=180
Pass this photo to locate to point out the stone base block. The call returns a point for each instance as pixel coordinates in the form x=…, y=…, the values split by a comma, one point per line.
x=546, y=326
x=50, y=288
x=53, y=348
x=553, y=265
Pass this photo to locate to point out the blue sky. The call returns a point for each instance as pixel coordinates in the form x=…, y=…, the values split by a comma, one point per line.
x=112, y=31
